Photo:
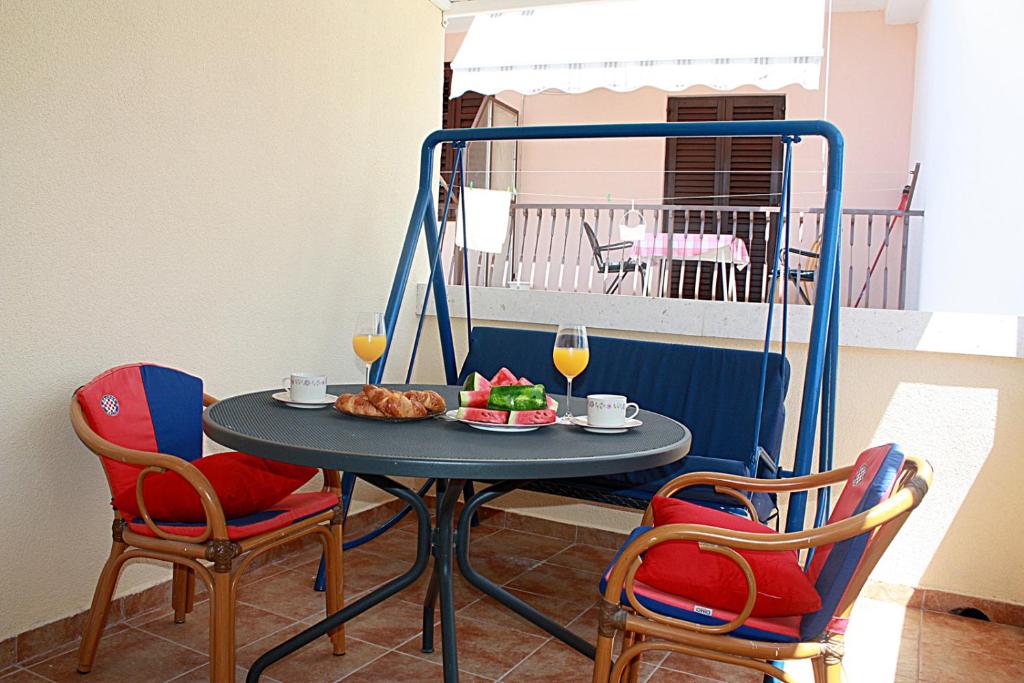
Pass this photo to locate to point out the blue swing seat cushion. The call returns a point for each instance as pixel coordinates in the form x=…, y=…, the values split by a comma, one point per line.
x=713, y=391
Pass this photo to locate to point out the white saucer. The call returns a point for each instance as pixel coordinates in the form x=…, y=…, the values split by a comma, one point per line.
x=285, y=398
x=630, y=423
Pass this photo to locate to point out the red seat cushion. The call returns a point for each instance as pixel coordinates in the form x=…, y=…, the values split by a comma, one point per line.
x=710, y=579
x=244, y=484
x=292, y=509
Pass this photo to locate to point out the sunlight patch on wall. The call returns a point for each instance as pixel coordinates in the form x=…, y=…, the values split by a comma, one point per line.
x=954, y=429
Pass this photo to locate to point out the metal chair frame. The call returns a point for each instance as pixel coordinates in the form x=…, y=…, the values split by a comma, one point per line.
x=620, y=268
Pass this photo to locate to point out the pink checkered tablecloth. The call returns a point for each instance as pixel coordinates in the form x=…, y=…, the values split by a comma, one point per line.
x=689, y=247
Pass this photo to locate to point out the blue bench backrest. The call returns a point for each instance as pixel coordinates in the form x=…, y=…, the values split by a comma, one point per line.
x=713, y=391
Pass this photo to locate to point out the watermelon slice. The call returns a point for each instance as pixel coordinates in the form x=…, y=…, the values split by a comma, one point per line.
x=552, y=403
x=503, y=378
x=474, y=399
x=524, y=382
x=531, y=417
x=476, y=382
x=480, y=415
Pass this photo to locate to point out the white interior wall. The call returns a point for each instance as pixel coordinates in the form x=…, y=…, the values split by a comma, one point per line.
x=967, y=106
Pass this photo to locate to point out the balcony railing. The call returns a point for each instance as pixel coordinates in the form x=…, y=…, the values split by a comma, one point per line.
x=690, y=252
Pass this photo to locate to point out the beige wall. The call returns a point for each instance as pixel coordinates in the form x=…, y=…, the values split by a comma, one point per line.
x=219, y=187
x=961, y=412
x=870, y=98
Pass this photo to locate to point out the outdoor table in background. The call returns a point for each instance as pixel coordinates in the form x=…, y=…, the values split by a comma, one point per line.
x=451, y=452
x=721, y=250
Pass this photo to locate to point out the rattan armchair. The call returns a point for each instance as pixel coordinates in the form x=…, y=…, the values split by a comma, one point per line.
x=211, y=554
x=645, y=630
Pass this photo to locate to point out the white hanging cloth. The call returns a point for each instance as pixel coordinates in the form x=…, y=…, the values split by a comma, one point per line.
x=487, y=219
x=623, y=45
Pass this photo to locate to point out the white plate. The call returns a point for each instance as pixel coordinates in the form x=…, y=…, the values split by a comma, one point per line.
x=630, y=423
x=285, y=398
x=491, y=427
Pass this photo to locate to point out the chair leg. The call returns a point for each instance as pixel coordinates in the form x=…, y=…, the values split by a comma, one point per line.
x=190, y=591
x=603, y=658
x=222, y=627
x=335, y=576
x=834, y=670
x=182, y=592
x=633, y=674
x=100, y=607
x=818, y=668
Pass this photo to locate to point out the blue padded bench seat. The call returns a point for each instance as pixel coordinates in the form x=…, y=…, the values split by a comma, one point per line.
x=713, y=391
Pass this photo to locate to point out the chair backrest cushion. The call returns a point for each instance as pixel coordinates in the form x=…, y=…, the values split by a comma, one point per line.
x=683, y=568
x=144, y=407
x=874, y=475
x=713, y=391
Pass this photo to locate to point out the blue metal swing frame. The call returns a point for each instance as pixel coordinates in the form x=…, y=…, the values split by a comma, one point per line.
x=818, y=392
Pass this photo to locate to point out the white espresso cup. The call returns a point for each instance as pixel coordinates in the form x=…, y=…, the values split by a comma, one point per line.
x=304, y=387
x=609, y=410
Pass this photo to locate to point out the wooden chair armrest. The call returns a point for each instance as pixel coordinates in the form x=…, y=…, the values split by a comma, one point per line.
x=732, y=484
x=624, y=571
x=727, y=542
x=216, y=525
x=208, y=400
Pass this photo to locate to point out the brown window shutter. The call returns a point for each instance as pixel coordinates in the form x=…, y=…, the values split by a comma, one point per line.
x=697, y=172
x=456, y=113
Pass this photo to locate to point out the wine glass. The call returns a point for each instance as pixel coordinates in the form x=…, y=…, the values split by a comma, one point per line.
x=571, y=355
x=369, y=339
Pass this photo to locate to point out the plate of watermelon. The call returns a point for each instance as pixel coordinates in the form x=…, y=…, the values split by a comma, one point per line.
x=504, y=403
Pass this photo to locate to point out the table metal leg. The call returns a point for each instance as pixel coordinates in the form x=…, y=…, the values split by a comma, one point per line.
x=492, y=589
x=430, y=598
x=366, y=602
x=443, y=571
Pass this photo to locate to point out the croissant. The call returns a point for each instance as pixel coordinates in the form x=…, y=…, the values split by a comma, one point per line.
x=357, y=404
x=392, y=403
x=431, y=400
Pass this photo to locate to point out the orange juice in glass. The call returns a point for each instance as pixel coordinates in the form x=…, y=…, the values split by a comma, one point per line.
x=570, y=355
x=369, y=340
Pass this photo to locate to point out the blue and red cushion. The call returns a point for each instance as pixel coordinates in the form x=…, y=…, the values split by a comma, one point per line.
x=291, y=509
x=771, y=629
x=244, y=484
x=872, y=481
x=683, y=568
x=157, y=409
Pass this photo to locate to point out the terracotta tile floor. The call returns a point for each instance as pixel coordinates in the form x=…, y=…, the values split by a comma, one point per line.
x=886, y=642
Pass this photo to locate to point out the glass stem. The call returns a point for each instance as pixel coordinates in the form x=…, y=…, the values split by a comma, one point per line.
x=368, y=373
x=568, y=398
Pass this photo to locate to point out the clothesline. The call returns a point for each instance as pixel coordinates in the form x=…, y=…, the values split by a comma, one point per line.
x=609, y=198
x=665, y=172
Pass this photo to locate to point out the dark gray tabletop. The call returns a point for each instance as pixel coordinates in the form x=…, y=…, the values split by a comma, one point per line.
x=257, y=424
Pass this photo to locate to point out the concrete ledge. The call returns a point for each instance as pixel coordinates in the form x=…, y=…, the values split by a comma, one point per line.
x=961, y=333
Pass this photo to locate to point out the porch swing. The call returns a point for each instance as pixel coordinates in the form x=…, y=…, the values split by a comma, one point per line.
x=722, y=386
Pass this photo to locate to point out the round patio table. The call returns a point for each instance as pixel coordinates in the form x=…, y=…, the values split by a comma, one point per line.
x=450, y=452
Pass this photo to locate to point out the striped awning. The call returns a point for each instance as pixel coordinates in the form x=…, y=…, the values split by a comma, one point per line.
x=623, y=45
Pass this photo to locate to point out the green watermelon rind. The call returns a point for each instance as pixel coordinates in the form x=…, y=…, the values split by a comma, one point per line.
x=476, y=382
x=517, y=397
x=474, y=399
